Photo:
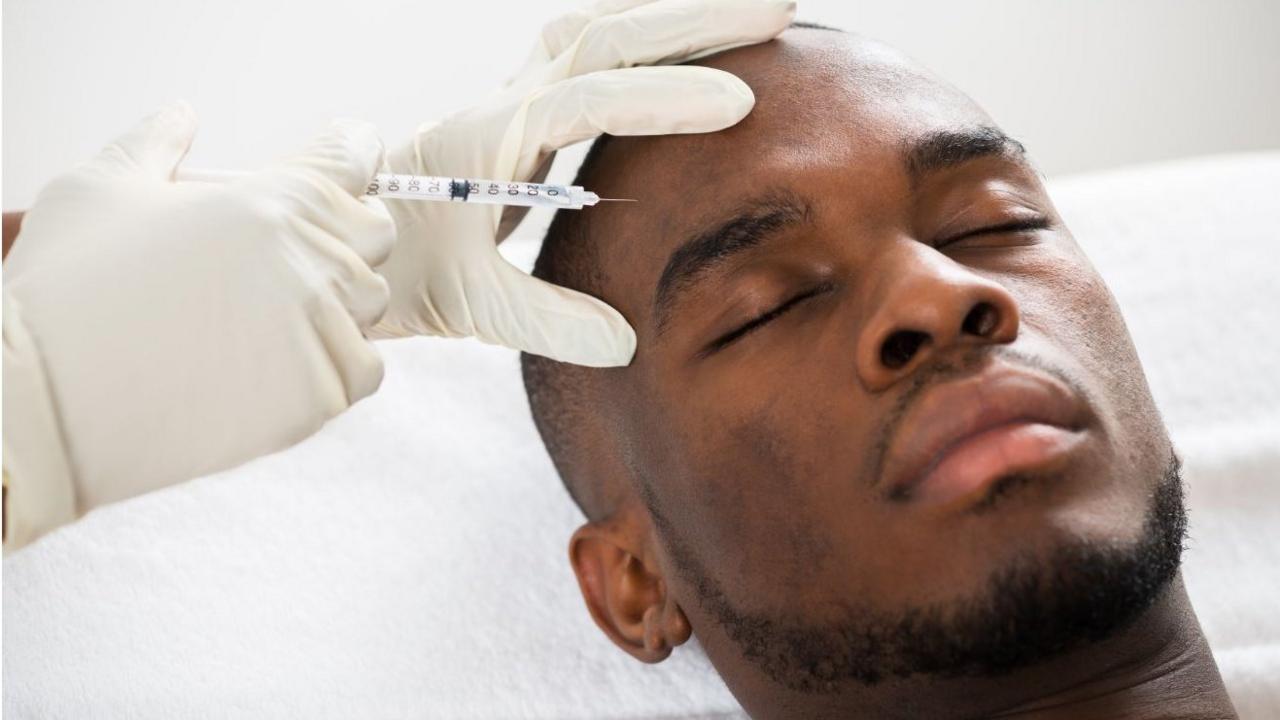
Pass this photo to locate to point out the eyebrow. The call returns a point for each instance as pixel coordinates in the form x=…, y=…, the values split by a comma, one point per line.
x=948, y=148
x=754, y=222
x=765, y=217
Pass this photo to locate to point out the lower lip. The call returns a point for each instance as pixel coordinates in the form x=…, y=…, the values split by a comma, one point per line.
x=968, y=469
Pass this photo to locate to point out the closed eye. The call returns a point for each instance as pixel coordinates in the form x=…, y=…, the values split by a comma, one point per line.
x=761, y=320
x=1013, y=226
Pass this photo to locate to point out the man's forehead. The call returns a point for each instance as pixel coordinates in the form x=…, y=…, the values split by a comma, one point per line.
x=825, y=102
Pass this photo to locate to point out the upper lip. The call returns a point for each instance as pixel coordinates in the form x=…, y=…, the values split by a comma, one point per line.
x=949, y=413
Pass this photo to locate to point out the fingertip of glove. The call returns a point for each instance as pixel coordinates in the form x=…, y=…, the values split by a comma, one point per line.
x=178, y=112
x=353, y=126
x=727, y=100
x=348, y=153
x=721, y=85
x=360, y=132
x=177, y=120
x=368, y=377
x=618, y=354
x=616, y=345
x=154, y=146
x=626, y=350
x=740, y=91
x=383, y=237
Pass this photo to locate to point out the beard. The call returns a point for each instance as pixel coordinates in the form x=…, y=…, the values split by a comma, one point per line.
x=1032, y=609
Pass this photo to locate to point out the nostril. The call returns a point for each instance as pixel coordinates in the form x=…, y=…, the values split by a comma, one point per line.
x=981, y=320
x=900, y=347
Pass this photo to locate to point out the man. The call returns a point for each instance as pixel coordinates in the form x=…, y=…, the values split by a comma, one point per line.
x=885, y=446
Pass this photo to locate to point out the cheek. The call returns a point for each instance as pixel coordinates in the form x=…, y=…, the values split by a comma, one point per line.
x=752, y=477
x=1066, y=302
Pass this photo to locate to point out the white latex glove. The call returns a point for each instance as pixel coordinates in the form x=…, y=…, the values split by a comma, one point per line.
x=445, y=272
x=157, y=331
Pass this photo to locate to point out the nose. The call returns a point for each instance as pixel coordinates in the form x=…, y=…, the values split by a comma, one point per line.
x=923, y=303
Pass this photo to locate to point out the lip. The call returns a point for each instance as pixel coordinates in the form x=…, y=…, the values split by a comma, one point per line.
x=964, y=435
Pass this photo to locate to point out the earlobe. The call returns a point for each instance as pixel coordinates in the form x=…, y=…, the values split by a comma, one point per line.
x=671, y=627
x=627, y=599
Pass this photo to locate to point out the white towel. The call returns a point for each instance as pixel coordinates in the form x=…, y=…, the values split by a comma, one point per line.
x=410, y=559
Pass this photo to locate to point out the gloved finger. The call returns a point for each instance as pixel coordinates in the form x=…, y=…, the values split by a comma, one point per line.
x=356, y=361
x=348, y=155
x=345, y=274
x=326, y=185
x=362, y=223
x=560, y=33
x=636, y=101
x=670, y=31
x=528, y=314
x=376, y=232
x=513, y=215
x=154, y=147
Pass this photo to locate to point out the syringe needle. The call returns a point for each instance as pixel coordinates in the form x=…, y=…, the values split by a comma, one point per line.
x=617, y=200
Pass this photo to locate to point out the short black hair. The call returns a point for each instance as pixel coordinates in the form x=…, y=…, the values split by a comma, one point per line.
x=562, y=395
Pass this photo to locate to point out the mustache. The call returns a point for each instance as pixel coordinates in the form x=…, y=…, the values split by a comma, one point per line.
x=954, y=367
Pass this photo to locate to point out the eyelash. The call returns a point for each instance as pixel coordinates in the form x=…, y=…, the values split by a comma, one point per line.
x=755, y=324
x=1025, y=225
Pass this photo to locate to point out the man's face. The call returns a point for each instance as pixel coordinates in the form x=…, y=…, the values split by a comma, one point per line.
x=874, y=370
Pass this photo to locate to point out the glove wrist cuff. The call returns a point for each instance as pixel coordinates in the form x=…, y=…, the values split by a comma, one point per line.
x=39, y=485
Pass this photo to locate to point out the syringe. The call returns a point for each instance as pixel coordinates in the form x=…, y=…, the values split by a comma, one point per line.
x=447, y=189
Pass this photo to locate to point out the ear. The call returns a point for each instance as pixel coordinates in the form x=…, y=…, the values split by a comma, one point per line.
x=626, y=595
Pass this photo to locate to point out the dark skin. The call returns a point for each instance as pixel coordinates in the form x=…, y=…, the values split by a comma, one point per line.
x=874, y=275
x=12, y=225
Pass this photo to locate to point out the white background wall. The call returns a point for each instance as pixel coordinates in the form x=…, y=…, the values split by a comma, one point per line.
x=1085, y=83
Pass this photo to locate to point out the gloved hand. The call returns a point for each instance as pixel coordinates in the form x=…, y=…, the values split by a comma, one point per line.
x=156, y=331
x=445, y=272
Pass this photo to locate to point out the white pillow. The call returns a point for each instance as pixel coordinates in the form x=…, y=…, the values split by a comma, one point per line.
x=410, y=559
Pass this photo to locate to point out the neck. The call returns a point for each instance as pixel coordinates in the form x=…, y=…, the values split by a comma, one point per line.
x=1159, y=667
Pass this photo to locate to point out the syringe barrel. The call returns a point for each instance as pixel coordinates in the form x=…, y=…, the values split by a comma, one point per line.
x=488, y=192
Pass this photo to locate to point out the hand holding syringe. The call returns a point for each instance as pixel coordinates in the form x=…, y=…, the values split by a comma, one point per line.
x=286, y=274
x=446, y=189
x=589, y=74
